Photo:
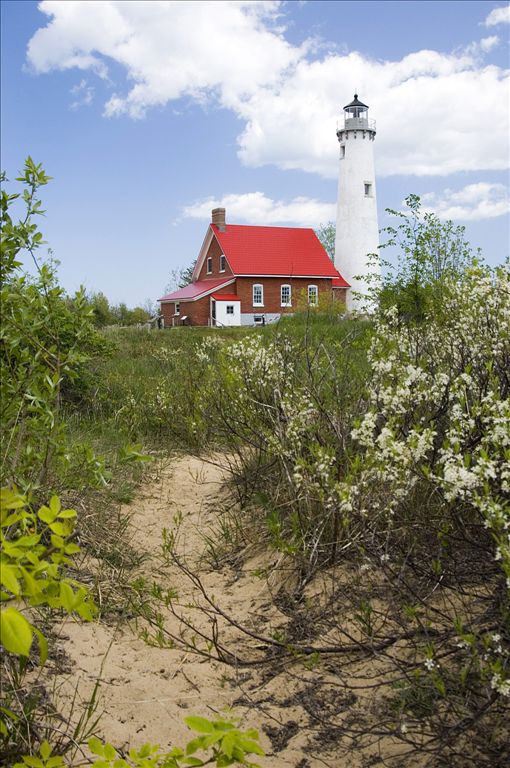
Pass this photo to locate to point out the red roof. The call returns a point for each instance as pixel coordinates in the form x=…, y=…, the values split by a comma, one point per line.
x=274, y=251
x=196, y=290
x=226, y=297
x=339, y=282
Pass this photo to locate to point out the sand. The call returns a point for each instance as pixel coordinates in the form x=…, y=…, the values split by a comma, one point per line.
x=146, y=691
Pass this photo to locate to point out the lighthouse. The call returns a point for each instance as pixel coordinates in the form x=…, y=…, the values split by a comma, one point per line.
x=357, y=231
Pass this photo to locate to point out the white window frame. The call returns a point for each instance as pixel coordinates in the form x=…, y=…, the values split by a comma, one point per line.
x=222, y=262
x=316, y=293
x=261, y=302
x=287, y=303
x=177, y=307
x=209, y=265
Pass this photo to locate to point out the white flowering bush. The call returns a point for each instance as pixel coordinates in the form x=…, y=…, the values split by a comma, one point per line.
x=399, y=474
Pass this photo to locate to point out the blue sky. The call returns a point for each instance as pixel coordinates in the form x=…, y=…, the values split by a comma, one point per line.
x=148, y=114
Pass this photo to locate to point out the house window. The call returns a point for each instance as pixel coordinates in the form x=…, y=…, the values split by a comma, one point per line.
x=285, y=293
x=209, y=265
x=230, y=309
x=313, y=295
x=177, y=308
x=368, y=189
x=258, y=295
x=222, y=263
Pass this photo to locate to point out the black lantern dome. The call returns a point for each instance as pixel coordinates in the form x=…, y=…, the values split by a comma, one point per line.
x=356, y=108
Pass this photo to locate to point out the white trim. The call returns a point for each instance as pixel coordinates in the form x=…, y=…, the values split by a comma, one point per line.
x=203, y=252
x=218, y=298
x=282, y=302
x=289, y=277
x=253, y=302
x=201, y=295
x=316, y=302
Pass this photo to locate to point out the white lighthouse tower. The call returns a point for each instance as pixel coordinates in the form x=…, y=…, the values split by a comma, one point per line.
x=357, y=231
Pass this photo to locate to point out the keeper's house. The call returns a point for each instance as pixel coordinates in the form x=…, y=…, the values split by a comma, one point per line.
x=251, y=275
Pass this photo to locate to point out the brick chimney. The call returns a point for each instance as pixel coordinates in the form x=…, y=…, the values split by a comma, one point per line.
x=218, y=218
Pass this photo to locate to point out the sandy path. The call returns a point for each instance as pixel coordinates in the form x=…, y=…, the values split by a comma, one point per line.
x=146, y=691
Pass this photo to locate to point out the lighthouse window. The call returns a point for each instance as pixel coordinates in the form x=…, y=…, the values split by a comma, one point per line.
x=368, y=190
x=342, y=150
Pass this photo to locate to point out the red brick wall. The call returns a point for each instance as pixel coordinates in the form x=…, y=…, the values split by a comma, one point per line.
x=215, y=252
x=197, y=312
x=272, y=294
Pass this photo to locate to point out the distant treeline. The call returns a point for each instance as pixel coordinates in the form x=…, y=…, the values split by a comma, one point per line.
x=105, y=314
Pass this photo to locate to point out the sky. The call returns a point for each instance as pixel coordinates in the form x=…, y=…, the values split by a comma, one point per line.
x=149, y=114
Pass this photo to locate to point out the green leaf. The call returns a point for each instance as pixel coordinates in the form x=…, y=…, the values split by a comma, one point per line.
x=15, y=632
x=33, y=762
x=55, y=762
x=251, y=746
x=9, y=580
x=43, y=651
x=46, y=515
x=96, y=746
x=195, y=744
x=61, y=529
x=45, y=750
x=110, y=752
x=66, y=513
x=228, y=743
x=199, y=724
x=67, y=597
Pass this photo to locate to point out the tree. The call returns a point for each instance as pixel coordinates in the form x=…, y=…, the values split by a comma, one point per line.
x=102, y=313
x=180, y=278
x=430, y=253
x=326, y=234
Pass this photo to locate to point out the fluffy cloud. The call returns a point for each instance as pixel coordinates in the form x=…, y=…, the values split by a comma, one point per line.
x=258, y=209
x=235, y=54
x=471, y=203
x=168, y=49
x=498, y=16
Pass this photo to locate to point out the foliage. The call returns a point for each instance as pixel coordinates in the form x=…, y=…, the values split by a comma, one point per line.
x=35, y=548
x=46, y=339
x=224, y=743
x=180, y=278
x=326, y=234
x=104, y=314
x=429, y=254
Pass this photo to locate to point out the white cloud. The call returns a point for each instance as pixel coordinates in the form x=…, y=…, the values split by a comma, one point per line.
x=498, y=16
x=257, y=209
x=437, y=113
x=83, y=94
x=471, y=203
